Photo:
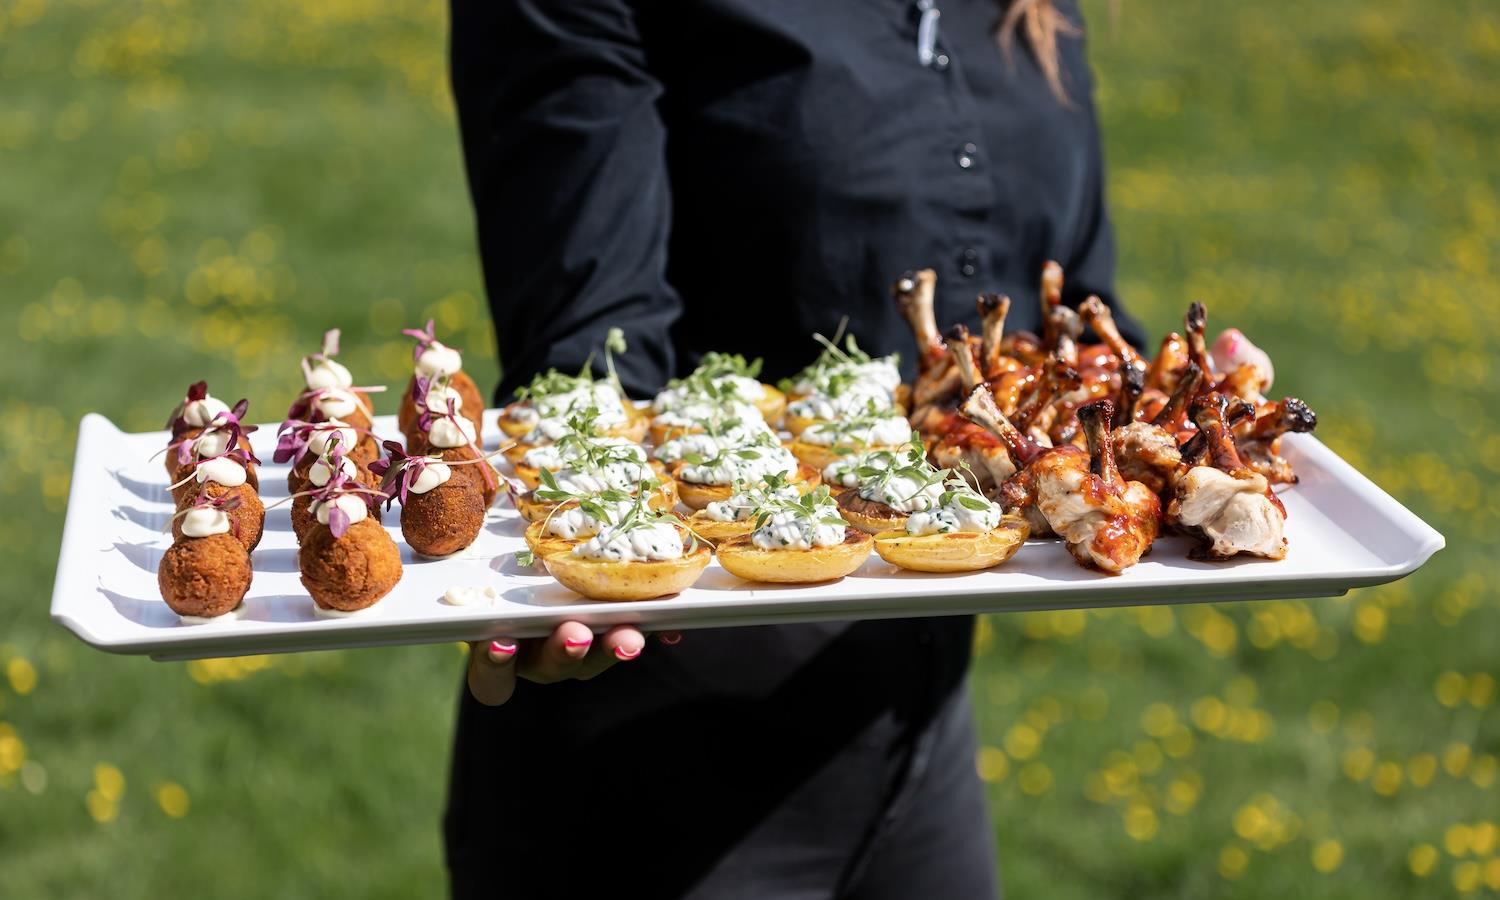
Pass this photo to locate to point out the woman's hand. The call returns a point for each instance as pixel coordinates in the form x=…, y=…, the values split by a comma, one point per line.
x=571, y=651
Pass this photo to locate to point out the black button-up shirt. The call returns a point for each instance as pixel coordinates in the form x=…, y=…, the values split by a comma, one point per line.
x=735, y=175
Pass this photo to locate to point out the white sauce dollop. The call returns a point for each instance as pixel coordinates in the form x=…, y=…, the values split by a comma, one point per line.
x=844, y=470
x=855, y=399
x=433, y=474
x=469, y=595
x=437, y=399
x=903, y=493
x=327, y=373
x=212, y=442
x=202, y=521
x=220, y=470
x=574, y=523
x=698, y=410
x=708, y=445
x=449, y=432
x=555, y=456
x=882, y=373
x=730, y=467
x=200, y=412
x=954, y=516
x=621, y=476
x=353, y=506
x=888, y=431
x=321, y=436
x=438, y=361
x=655, y=541
x=788, y=530
x=320, y=472
x=746, y=504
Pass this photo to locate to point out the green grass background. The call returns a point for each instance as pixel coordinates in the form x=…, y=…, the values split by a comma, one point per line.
x=201, y=188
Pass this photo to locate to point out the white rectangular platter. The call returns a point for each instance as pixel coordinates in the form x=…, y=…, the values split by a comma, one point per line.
x=1344, y=532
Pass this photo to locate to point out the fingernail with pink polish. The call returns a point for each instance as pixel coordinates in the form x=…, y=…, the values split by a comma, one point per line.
x=670, y=637
x=623, y=653
x=570, y=642
x=502, y=649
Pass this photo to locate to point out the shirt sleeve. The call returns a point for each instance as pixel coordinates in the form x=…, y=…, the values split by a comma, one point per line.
x=1091, y=268
x=565, y=153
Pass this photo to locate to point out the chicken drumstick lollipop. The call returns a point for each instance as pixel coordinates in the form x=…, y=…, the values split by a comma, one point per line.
x=1222, y=501
x=1106, y=521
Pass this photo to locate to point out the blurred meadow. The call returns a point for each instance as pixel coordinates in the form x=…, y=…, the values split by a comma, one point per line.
x=195, y=189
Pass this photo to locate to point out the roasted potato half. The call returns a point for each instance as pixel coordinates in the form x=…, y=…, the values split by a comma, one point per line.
x=798, y=424
x=517, y=452
x=959, y=551
x=543, y=544
x=740, y=557
x=697, y=496
x=716, y=531
x=869, y=516
x=637, y=423
x=819, y=455
x=608, y=579
x=771, y=404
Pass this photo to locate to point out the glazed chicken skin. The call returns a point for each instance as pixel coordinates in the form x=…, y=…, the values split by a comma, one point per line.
x=962, y=444
x=1259, y=443
x=1227, y=505
x=1147, y=450
x=1106, y=522
x=1091, y=441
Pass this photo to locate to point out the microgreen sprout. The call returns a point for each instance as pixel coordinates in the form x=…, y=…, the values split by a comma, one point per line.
x=223, y=503
x=640, y=514
x=229, y=422
x=815, y=506
x=329, y=350
x=195, y=392
x=425, y=337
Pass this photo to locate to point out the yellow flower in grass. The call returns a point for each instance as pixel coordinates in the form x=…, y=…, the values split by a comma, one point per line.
x=109, y=781
x=1491, y=874
x=1467, y=877
x=1140, y=822
x=992, y=764
x=172, y=798
x=1233, y=860
x=1449, y=689
x=1035, y=778
x=1421, y=768
x=22, y=675
x=1327, y=856
x=1387, y=780
x=1456, y=839
x=1158, y=720
x=1483, y=838
x=1422, y=859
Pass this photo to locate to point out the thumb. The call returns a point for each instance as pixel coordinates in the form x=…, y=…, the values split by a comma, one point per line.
x=492, y=670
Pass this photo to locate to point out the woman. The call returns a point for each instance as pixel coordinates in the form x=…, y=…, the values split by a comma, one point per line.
x=736, y=175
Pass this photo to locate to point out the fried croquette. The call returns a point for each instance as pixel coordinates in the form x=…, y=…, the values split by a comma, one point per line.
x=246, y=521
x=445, y=519
x=351, y=572
x=471, y=407
x=206, y=576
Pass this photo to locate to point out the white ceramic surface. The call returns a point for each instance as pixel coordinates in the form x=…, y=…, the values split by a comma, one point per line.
x=1344, y=532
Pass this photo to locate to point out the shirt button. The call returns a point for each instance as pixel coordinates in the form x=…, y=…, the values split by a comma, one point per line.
x=940, y=62
x=968, y=262
x=965, y=155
